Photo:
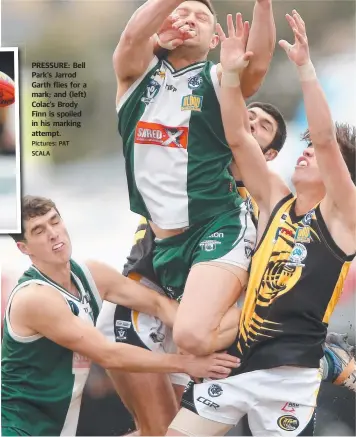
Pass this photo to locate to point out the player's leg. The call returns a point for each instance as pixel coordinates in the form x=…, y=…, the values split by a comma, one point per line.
x=338, y=364
x=215, y=282
x=211, y=407
x=150, y=399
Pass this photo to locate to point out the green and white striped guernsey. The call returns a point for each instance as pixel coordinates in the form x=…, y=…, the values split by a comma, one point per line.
x=41, y=382
x=175, y=149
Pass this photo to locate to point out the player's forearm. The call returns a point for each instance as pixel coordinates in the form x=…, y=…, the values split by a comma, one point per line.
x=135, y=359
x=320, y=122
x=147, y=20
x=261, y=41
x=234, y=113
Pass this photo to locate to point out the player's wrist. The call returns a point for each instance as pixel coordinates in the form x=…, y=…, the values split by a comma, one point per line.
x=230, y=78
x=306, y=72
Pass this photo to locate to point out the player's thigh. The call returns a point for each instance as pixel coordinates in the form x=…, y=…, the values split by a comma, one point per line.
x=220, y=269
x=187, y=423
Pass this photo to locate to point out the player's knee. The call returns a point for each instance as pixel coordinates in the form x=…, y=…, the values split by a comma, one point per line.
x=192, y=340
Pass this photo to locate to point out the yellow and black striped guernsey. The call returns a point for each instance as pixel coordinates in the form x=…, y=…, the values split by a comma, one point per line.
x=297, y=275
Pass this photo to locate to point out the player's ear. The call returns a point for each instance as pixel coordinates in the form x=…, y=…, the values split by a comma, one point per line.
x=271, y=155
x=214, y=41
x=22, y=247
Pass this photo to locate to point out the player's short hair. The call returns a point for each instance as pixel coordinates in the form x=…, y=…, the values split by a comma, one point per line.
x=346, y=139
x=281, y=134
x=210, y=6
x=33, y=206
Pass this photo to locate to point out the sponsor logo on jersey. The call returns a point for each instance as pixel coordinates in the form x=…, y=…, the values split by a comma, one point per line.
x=161, y=74
x=80, y=363
x=159, y=135
x=217, y=235
x=123, y=324
x=195, y=82
x=302, y=235
x=151, y=92
x=157, y=337
x=171, y=88
x=298, y=254
x=215, y=390
x=288, y=423
x=209, y=245
x=192, y=103
x=282, y=231
x=289, y=407
x=207, y=402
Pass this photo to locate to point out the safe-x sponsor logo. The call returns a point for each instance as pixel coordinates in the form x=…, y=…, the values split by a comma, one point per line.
x=288, y=422
x=215, y=390
x=160, y=135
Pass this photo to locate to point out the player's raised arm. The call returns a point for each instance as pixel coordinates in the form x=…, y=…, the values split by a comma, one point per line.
x=340, y=188
x=261, y=41
x=135, y=49
x=118, y=289
x=44, y=311
x=246, y=151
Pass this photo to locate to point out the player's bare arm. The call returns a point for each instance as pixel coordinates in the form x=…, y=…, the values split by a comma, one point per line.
x=261, y=41
x=339, y=205
x=135, y=49
x=38, y=309
x=121, y=290
x=266, y=189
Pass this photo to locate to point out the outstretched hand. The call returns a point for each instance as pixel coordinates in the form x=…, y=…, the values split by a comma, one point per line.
x=299, y=51
x=233, y=55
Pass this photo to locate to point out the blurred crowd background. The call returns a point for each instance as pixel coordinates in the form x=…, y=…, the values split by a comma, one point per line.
x=87, y=180
x=8, y=187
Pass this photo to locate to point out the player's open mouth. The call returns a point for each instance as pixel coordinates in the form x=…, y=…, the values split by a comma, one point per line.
x=302, y=162
x=57, y=246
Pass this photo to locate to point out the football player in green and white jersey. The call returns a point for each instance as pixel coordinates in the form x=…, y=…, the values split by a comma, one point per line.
x=177, y=159
x=49, y=335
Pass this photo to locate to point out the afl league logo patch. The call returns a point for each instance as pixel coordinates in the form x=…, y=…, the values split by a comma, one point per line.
x=195, y=82
x=288, y=423
x=215, y=390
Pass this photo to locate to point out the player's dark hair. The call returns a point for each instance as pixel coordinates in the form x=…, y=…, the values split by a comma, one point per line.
x=33, y=206
x=281, y=134
x=209, y=5
x=346, y=139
